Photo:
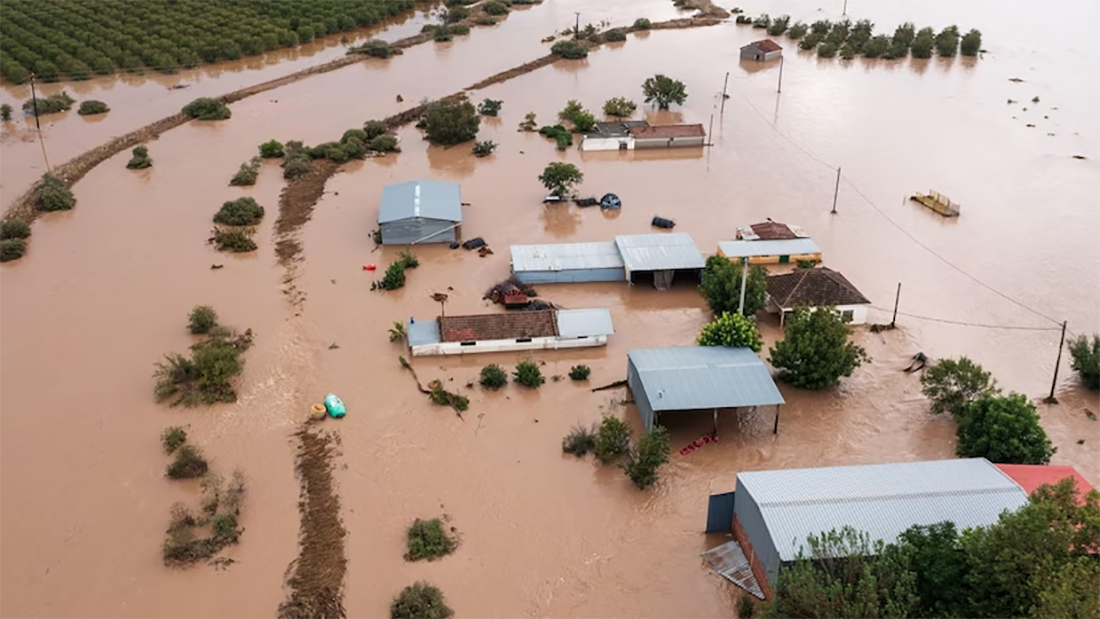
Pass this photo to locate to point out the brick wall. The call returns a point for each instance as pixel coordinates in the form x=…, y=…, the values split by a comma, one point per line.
x=757, y=569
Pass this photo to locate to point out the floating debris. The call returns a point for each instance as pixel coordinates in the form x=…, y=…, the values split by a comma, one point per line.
x=1079, y=157
x=1015, y=79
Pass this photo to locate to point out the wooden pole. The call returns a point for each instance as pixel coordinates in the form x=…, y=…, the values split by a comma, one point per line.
x=845, y=12
x=744, y=277
x=34, y=100
x=780, y=87
x=710, y=132
x=577, y=29
x=775, y=430
x=837, y=190
x=1051, y=399
x=724, y=95
x=897, y=298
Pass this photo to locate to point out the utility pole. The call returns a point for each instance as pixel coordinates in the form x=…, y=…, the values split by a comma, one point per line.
x=837, y=190
x=34, y=100
x=577, y=29
x=1051, y=399
x=744, y=277
x=780, y=87
x=724, y=95
x=710, y=131
x=897, y=298
x=845, y=12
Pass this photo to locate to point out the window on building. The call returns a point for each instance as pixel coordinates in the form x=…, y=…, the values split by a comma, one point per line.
x=522, y=340
x=468, y=344
x=847, y=315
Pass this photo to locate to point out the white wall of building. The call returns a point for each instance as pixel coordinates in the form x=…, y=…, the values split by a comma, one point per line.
x=592, y=142
x=537, y=343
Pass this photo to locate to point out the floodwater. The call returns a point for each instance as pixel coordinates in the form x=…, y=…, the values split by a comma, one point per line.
x=105, y=289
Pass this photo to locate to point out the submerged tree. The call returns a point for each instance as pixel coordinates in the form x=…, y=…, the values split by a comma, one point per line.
x=952, y=384
x=721, y=286
x=1085, y=360
x=664, y=91
x=971, y=43
x=560, y=178
x=815, y=352
x=451, y=122
x=1003, y=429
x=733, y=330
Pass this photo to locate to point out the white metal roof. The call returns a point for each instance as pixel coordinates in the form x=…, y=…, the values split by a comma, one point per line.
x=566, y=256
x=702, y=377
x=421, y=332
x=421, y=198
x=772, y=247
x=659, y=252
x=882, y=500
x=584, y=323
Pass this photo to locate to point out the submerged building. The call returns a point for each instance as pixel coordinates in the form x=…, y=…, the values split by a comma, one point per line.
x=511, y=331
x=630, y=258
x=420, y=211
x=639, y=134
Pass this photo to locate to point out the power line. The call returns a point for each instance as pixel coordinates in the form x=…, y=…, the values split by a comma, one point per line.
x=969, y=324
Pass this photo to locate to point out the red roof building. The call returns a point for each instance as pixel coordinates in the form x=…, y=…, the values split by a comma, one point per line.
x=1031, y=476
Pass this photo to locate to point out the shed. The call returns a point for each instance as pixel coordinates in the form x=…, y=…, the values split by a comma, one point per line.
x=774, y=512
x=764, y=49
x=815, y=288
x=420, y=211
x=695, y=378
x=775, y=251
x=568, y=263
x=669, y=136
x=661, y=255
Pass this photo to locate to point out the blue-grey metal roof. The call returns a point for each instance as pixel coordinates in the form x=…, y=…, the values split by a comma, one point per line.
x=659, y=252
x=427, y=199
x=700, y=377
x=421, y=332
x=770, y=247
x=566, y=256
x=584, y=323
x=880, y=499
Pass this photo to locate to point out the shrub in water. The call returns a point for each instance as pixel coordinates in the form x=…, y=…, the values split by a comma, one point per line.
x=293, y=167
x=612, y=439
x=5, y=112
x=188, y=463
x=797, y=31
x=451, y=122
x=490, y=107
x=579, y=441
x=225, y=529
x=247, y=174
x=374, y=47
x=442, y=35
x=384, y=143
x=952, y=385
x=271, y=149
x=428, y=539
x=140, y=159
x=484, y=149
x=173, y=438
x=579, y=372
x=528, y=374
x=202, y=319
x=355, y=148
x=12, y=249
x=569, y=49
x=373, y=129
x=49, y=105
x=354, y=133
x=240, y=212
x=641, y=23
x=206, y=108
x=619, y=107
x=455, y=15
x=14, y=229
x=204, y=377
x=495, y=7
x=732, y=330
x=441, y=397
x=493, y=377
x=615, y=36
x=420, y=601
x=236, y=240
x=646, y=457
x=52, y=195
x=88, y=108
x=397, y=332
x=1085, y=360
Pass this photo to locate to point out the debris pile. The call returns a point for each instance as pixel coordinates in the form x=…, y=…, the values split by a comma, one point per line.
x=511, y=287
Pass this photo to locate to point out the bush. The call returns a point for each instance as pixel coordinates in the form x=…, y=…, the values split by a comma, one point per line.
x=451, y=122
x=14, y=229
x=5, y=112
x=612, y=439
x=571, y=50
x=354, y=148
x=398, y=332
x=779, y=25
x=664, y=91
x=188, y=463
x=733, y=330
x=971, y=43
x=295, y=167
x=952, y=385
x=172, y=438
x=746, y=607
x=420, y=601
x=359, y=134
x=620, y=107
x=580, y=372
x=815, y=351
x=826, y=50
x=484, y=149
x=394, y=277
x=646, y=457
x=52, y=195
x=201, y=320
x=224, y=527
x=528, y=374
x=373, y=129
x=140, y=159
x=797, y=31
x=12, y=249
x=614, y=36
x=490, y=107
x=240, y=212
x=762, y=22
x=441, y=397
x=206, y=108
x=236, y=240
x=486, y=21
x=947, y=41
x=1085, y=360
x=442, y=35
x=743, y=19
x=91, y=107
x=247, y=173
x=847, y=52
x=584, y=122
x=374, y=47
x=495, y=7
x=922, y=45
x=272, y=149
x=642, y=24
x=809, y=41
x=428, y=539
x=721, y=286
x=493, y=377
x=571, y=111
x=877, y=46
x=579, y=441
x=49, y=105
x=455, y=14
x=1004, y=430
x=204, y=377
x=560, y=178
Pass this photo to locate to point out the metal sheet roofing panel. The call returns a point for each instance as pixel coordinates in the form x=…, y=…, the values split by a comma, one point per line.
x=659, y=252
x=776, y=247
x=566, y=256
x=421, y=332
x=701, y=377
x=584, y=323
x=421, y=198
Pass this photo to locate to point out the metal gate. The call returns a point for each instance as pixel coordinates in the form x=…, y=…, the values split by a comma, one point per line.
x=720, y=513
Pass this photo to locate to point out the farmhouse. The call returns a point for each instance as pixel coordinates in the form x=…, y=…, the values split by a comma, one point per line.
x=764, y=49
x=511, y=331
x=630, y=258
x=637, y=134
x=420, y=211
x=815, y=288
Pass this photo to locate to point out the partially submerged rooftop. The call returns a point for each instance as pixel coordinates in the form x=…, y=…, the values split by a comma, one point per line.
x=506, y=326
x=813, y=288
x=777, y=247
x=703, y=377
x=659, y=252
x=565, y=256
x=765, y=45
x=669, y=131
x=421, y=199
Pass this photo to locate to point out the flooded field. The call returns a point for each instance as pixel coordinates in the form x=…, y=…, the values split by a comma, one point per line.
x=105, y=289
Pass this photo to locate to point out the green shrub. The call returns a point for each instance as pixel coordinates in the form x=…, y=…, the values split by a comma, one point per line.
x=5, y=112
x=614, y=36
x=12, y=249
x=797, y=31
x=372, y=129
x=584, y=122
x=451, y=122
x=528, y=374
x=355, y=148
x=442, y=35
x=428, y=539
x=374, y=47
x=569, y=49
x=743, y=19
x=646, y=457
x=559, y=134
x=493, y=377
x=360, y=134
x=202, y=319
x=971, y=43
x=272, y=149
x=947, y=41
x=91, y=107
x=247, y=173
x=441, y=397
x=746, y=607
x=52, y=195
x=579, y=372
x=1085, y=360
x=394, y=277
x=14, y=229
x=384, y=143
x=560, y=178
x=923, y=43
x=572, y=109
x=398, y=332
x=484, y=148
x=495, y=7
x=641, y=24
x=952, y=385
x=847, y=52
x=733, y=330
x=1004, y=430
x=240, y=212
x=295, y=167
x=762, y=22
x=225, y=530
x=236, y=240
x=579, y=441
x=140, y=159
x=779, y=25
x=877, y=46
x=815, y=352
x=455, y=14
x=52, y=104
x=206, y=108
x=173, y=438
x=826, y=50
x=721, y=286
x=620, y=107
x=490, y=107
x=664, y=91
x=204, y=377
x=188, y=464
x=810, y=41
x=408, y=259
x=420, y=601
x=612, y=439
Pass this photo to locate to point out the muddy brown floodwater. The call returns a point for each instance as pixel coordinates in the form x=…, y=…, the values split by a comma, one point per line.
x=105, y=289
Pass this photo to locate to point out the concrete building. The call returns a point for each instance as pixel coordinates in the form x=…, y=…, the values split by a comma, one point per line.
x=763, y=50
x=773, y=513
x=420, y=211
x=568, y=263
x=815, y=288
x=509, y=332
x=779, y=251
x=614, y=135
x=632, y=134
x=698, y=378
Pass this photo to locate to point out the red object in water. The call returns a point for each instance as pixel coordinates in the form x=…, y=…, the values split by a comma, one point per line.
x=699, y=442
x=369, y=267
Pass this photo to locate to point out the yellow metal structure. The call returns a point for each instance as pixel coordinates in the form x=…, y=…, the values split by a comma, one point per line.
x=939, y=203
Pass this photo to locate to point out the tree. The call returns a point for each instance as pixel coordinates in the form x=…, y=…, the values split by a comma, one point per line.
x=922, y=45
x=572, y=109
x=373, y=129
x=528, y=374
x=721, y=286
x=14, y=229
x=619, y=107
x=451, y=122
x=797, y=31
x=140, y=159
x=420, y=601
x=484, y=148
x=947, y=41
x=584, y=122
x=206, y=108
x=5, y=112
x=876, y=46
x=271, y=149
x=612, y=439
x=1071, y=590
x=971, y=43
x=642, y=24
x=569, y=49
x=201, y=320
x=240, y=212
x=940, y=566
x=664, y=91
x=951, y=385
x=560, y=178
x=643, y=460
x=490, y=107
x=1003, y=429
x=52, y=195
x=815, y=351
x=732, y=330
x=1085, y=360
x=12, y=249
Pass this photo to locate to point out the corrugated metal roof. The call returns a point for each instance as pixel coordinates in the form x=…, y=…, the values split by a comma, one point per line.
x=566, y=256
x=584, y=322
x=421, y=332
x=421, y=198
x=776, y=247
x=659, y=252
x=701, y=377
x=880, y=499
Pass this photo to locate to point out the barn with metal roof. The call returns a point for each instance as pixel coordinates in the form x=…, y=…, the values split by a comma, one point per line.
x=420, y=211
x=567, y=263
x=660, y=255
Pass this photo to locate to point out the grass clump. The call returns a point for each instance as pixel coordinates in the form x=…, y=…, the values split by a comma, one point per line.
x=643, y=460
x=612, y=439
x=528, y=374
x=188, y=464
x=272, y=149
x=52, y=104
x=173, y=438
x=140, y=159
x=429, y=539
x=201, y=320
x=12, y=249
x=14, y=229
x=484, y=148
x=206, y=108
x=579, y=372
x=92, y=107
x=579, y=441
x=53, y=195
x=493, y=377
x=420, y=601
x=569, y=49
x=204, y=377
x=247, y=174
x=240, y=212
x=236, y=240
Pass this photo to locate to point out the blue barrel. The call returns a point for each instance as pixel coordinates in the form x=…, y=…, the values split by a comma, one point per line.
x=335, y=406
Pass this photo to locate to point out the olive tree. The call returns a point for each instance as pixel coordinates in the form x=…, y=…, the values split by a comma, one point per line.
x=953, y=384
x=451, y=122
x=560, y=178
x=815, y=352
x=664, y=91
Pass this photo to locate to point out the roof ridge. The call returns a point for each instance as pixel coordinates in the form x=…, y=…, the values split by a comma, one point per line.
x=893, y=495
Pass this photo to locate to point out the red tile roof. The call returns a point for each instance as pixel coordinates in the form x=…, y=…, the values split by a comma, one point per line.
x=669, y=131
x=766, y=45
x=813, y=287
x=508, y=326
x=770, y=230
x=1031, y=476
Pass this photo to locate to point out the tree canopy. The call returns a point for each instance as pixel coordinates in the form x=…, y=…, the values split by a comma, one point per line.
x=1085, y=360
x=664, y=91
x=560, y=178
x=1003, y=429
x=952, y=384
x=451, y=122
x=721, y=286
x=815, y=352
x=734, y=330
